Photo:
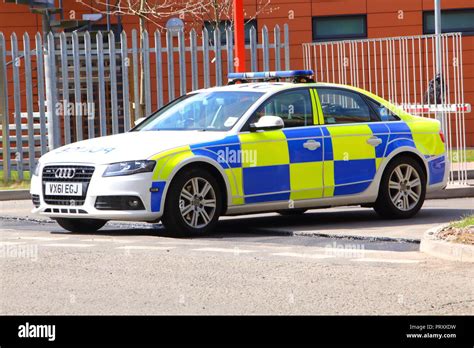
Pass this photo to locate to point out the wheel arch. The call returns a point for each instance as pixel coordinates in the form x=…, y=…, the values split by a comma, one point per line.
x=384, y=205
x=204, y=163
x=371, y=194
x=412, y=153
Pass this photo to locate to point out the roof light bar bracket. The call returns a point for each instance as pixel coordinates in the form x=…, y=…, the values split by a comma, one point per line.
x=297, y=76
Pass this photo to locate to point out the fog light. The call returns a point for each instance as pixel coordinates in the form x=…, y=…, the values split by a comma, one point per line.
x=119, y=203
x=133, y=203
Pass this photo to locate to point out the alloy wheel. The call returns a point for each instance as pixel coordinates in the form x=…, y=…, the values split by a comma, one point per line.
x=405, y=187
x=197, y=202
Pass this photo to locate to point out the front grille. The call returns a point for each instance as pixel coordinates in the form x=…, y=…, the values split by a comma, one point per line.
x=65, y=200
x=65, y=211
x=36, y=200
x=83, y=174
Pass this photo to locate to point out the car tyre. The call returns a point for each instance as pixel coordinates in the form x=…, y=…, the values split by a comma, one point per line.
x=81, y=225
x=402, y=189
x=193, y=203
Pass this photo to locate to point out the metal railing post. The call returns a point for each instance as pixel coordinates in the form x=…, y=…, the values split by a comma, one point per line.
x=4, y=121
x=51, y=93
x=439, y=70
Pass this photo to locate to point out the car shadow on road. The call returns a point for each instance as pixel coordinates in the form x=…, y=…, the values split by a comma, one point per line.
x=277, y=225
x=333, y=220
x=157, y=230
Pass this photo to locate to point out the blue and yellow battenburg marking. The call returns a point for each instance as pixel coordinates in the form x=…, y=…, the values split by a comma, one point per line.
x=278, y=166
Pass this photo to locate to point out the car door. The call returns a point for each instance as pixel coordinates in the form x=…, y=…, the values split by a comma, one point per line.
x=288, y=161
x=357, y=143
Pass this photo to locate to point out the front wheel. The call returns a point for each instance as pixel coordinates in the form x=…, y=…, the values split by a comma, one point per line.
x=402, y=189
x=81, y=225
x=193, y=203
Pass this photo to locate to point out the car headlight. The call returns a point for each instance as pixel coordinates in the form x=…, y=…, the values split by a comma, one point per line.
x=129, y=168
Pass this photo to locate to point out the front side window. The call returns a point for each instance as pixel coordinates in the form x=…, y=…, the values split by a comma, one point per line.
x=342, y=106
x=211, y=111
x=294, y=107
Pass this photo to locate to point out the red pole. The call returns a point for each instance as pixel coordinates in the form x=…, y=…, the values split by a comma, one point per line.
x=239, y=36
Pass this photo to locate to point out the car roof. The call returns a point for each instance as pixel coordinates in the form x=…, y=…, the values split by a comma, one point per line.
x=267, y=87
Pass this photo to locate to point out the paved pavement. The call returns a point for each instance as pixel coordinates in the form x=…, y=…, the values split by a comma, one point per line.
x=247, y=267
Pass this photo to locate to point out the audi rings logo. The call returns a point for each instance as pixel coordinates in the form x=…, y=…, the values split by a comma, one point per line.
x=64, y=173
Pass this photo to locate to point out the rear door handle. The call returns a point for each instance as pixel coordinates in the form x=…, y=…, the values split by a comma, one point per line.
x=312, y=145
x=374, y=141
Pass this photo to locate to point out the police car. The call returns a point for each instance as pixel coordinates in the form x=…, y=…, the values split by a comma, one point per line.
x=258, y=144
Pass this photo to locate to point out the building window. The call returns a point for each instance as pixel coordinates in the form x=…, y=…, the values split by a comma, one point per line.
x=459, y=20
x=339, y=27
x=226, y=24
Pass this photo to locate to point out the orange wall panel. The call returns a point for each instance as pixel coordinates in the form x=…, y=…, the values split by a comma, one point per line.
x=286, y=11
x=338, y=7
x=377, y=6
x=394, y=31
x=394, y=19
x=448, y=4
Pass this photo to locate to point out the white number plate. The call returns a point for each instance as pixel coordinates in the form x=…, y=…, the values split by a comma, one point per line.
x=63, y=189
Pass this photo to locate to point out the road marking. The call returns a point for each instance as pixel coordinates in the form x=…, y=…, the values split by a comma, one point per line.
x=181, y=243
x=348, y=250
x=144, y=247
x=44, y=238
x=226, y=250
x=11, y=243
x=113, y=240
x=309, y=256
x=385, y=260
x=69, y=245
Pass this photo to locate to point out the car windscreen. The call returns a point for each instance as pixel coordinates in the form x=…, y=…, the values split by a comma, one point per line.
x=212, y=111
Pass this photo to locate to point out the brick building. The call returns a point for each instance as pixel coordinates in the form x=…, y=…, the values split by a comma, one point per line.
x=310, y=20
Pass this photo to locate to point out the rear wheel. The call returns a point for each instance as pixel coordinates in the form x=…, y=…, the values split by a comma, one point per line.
x=402, y=189
x=193, y=203
x=81, y=225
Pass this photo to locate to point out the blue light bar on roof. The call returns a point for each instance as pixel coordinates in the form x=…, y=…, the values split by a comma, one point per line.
x=269, y=74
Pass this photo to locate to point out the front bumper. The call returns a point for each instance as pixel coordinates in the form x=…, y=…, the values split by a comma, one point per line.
x=127, y=185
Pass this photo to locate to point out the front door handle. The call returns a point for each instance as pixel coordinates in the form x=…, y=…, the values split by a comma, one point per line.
x=374, y=141
x=312, y=145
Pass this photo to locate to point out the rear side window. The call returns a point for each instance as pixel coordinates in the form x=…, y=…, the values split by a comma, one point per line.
x=383, y=113
x=342, y=106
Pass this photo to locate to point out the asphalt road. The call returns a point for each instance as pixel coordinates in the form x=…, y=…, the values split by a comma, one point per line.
x=248, y=267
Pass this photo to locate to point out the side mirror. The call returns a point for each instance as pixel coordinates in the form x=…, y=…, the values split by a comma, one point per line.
x=267, y=123
x=139, y=120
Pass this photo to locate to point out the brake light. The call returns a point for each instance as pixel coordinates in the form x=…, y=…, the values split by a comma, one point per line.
x=441, y=135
